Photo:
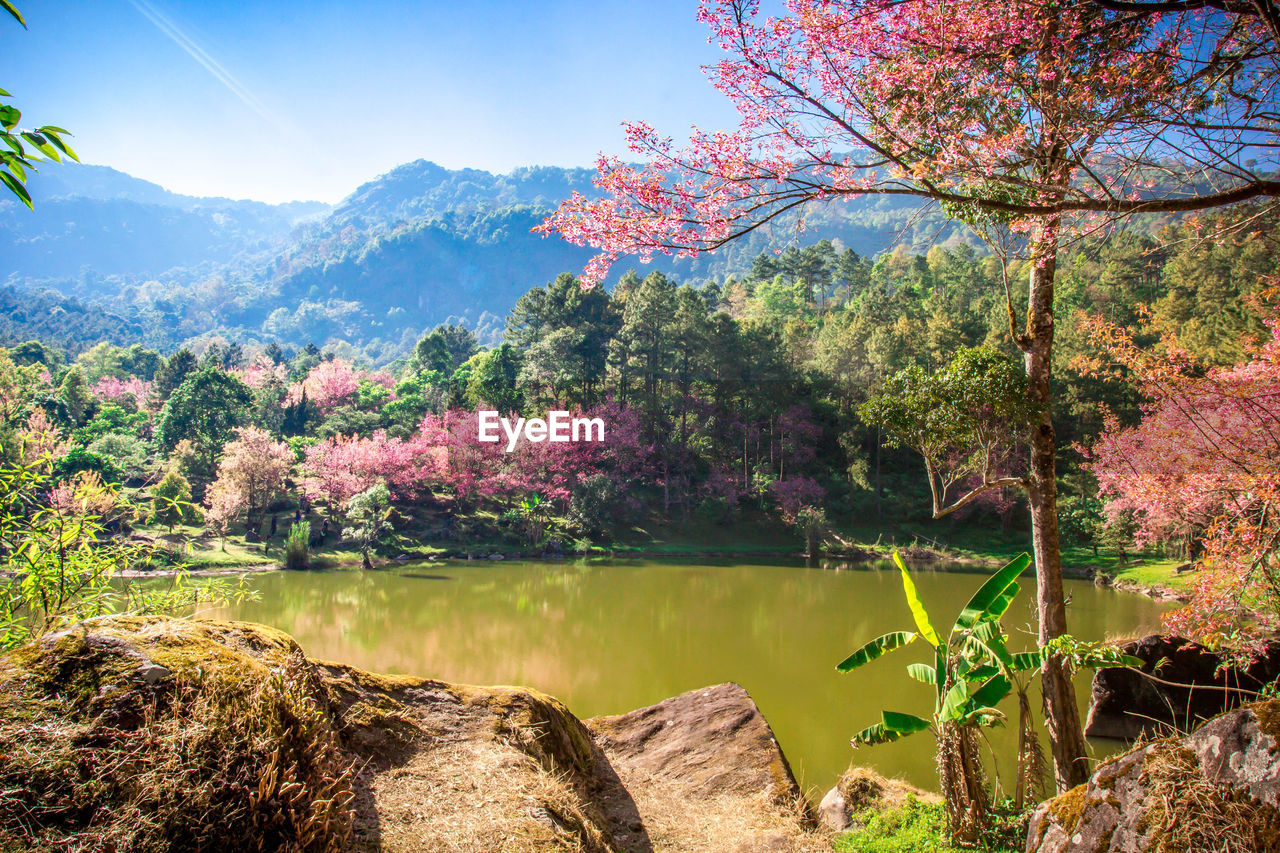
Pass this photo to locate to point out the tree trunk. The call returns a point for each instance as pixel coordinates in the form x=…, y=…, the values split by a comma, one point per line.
x=879, y=506
x=1070, y=765
x=964, y=791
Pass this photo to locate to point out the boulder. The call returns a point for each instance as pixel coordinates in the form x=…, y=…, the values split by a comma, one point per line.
x=712, y=740
x=1127, y=705
x=154, y=733
x=1197, y=792
x=707, y=774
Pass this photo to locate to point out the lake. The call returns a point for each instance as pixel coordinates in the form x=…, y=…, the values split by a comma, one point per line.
x=610, y=636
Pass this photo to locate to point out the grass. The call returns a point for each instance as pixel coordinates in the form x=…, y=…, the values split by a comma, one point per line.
x=1156, y=571
x=211, y=554
x=751, y=534
x=918, y=827
x=228, y=750
x=995, y=547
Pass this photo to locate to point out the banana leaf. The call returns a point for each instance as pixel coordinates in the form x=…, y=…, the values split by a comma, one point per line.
x=918, y=613
x=874, y=649
x=990, y=601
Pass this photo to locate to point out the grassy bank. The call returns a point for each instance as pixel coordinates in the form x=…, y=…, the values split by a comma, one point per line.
x=919, y=827
x=753, y=535
x=756, y=534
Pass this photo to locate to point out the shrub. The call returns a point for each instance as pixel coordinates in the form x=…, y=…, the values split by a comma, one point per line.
x=297, y=546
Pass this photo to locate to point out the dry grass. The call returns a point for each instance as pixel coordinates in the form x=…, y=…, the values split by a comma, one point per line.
x=475, y=796
x=729, y=823
x=1185, y=811
x=200, y=761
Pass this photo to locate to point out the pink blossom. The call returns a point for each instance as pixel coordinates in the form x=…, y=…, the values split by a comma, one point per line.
x=329, y=384
x=113, y=389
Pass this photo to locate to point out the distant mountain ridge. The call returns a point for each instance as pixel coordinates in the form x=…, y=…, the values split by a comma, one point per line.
x=415, y=247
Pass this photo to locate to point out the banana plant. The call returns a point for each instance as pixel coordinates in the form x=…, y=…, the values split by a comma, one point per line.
x=970, y=669
x=972, y=672
x=970, y=675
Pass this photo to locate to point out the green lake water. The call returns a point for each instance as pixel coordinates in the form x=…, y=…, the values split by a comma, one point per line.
x=610, y=636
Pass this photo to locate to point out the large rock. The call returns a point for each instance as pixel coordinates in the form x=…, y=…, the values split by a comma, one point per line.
x=706, y=773
x=149, y=733
x=1128, y=705
x=1215, y=789
x=713, y=740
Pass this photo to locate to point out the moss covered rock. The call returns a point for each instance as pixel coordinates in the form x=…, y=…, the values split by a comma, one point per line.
x=152, y=734
x=1195, y=792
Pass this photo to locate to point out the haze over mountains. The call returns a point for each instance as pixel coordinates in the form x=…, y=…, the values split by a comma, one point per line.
x=416, y=247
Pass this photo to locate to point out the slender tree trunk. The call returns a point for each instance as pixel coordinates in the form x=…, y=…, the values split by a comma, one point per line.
x=879, y=491
x=1070, y=764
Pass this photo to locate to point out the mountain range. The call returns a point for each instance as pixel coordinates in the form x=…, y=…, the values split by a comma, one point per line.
x=415, y=247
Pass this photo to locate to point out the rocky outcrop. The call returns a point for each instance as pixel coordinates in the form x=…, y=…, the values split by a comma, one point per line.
x=1126, y=704
x=150, y=733
x=1215, y=789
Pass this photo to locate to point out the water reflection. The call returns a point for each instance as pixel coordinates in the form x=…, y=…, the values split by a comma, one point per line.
x=609, y=637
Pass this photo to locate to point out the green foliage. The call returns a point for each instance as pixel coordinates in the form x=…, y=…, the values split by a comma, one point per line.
x=368, y=516
x=1081, y=522
x=812, y=523
x=535, y=515
x=127, y=452
x=65, y=563
x=110, y=418
x=972, y=673
x=205, y=410
x=349, y=420
x=494, y=379
x=563, y=334
x=596, y=502
x=79, y=459
x=876, y=648
x=171, y=501
x=968, y=671
x=444, y=350
x=74, y=392
x=22, y=149
x=297, y=546
x=297, y=417
x=174, y=372
x=35, y=352
x=963, y=419
x=918, y=827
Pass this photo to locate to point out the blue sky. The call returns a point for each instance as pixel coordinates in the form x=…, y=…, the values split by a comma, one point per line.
x=305, y=99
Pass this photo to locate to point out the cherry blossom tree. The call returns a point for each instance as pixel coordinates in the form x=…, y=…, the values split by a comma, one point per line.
x=251, y=472
x=329, y=385
x=794, y=494
x=224, y=503
x=1203, y=464
x=478, y=470
x=1016, y=115
x=113, y=389
x=338, y=468
x=263, y=372
x=39, y=443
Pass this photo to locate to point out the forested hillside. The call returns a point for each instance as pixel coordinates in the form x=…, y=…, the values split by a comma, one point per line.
x=419, y=246
x=751, y=393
